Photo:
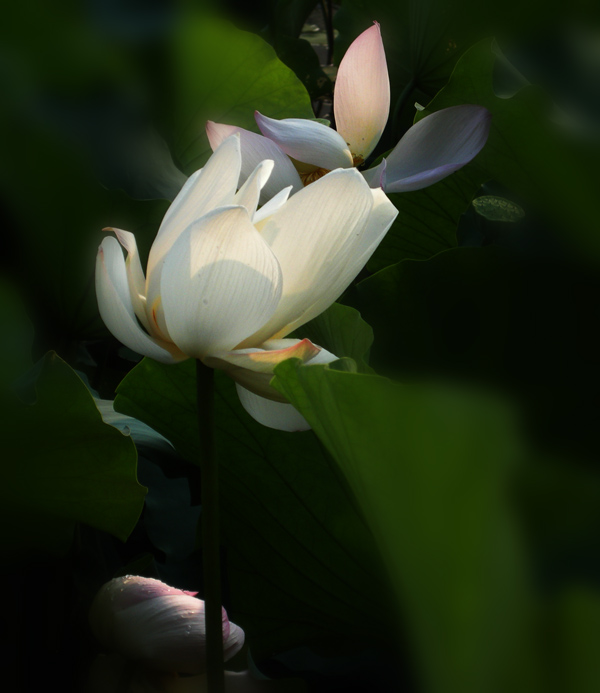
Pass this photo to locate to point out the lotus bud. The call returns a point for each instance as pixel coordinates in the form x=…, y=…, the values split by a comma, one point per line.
x=147, y=621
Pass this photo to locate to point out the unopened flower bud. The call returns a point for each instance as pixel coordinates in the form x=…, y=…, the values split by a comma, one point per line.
x=163, y=627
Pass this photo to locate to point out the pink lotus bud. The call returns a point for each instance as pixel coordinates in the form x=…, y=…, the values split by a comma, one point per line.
x=163, y=627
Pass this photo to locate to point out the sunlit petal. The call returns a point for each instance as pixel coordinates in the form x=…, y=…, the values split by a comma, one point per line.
x=211, y=187
x=362, y=93
x=256, y=148
x=314, y=236
x=220, y=283
x=116, y=308
x=351, y=259
x=307, y=140
x=436, y=146
x=249, y=194
x=270, y=207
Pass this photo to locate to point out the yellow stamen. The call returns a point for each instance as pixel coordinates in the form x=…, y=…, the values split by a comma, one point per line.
x=312, y=176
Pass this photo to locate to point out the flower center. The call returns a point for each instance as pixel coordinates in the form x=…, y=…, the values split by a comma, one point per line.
x=312, y=176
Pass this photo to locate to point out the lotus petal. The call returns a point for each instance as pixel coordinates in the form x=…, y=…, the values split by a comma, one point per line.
x=307, y=141
x=220, y=283
x=255, y=148
x=436, y=146
x=361, y=101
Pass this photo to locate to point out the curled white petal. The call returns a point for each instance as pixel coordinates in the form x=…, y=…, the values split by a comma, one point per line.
x=212, y=187
x=116, y=309
x=135, y=275
x=320, y=238
x=249, y=194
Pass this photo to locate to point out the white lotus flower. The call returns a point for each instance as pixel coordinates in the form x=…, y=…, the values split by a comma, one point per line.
x=163, y=628
x=305, y=150
x=226, y=282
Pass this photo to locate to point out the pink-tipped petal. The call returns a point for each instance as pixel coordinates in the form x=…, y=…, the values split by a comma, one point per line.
x=135, y=276
x=256, y=148
x=265, y=359
x=162, y=627
x=233, y=641
x=257, y=377
x=218, y=132
x=269, y=412
x=436, y=146
x=362, y=93
x=307, y=141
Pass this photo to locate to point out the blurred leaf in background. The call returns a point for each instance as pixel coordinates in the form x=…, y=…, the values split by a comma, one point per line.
x=64, y=465
x=527, y=152
x=427, y=219
x=497, y=317
x=288, y=25
x=79, y=137
x=430, y=468
x=224, y=74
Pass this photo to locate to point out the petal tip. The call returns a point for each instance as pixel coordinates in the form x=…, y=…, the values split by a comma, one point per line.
x=373, y=31
x=210, y=128
x=259, y=118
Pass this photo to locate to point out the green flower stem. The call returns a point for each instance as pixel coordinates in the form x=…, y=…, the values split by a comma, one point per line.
x=210, y=530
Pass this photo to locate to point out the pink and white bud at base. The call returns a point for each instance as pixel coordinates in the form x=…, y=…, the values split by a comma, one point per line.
x=147, y=621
